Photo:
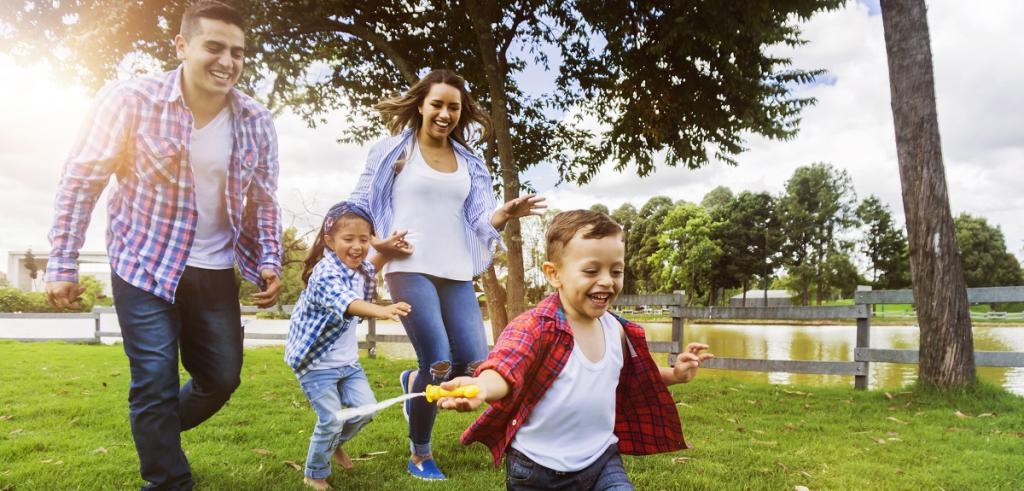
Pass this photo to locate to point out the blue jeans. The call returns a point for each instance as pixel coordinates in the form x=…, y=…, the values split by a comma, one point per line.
x=204, y=323
x=606, y=473
x=447, y=331
x=328, y=391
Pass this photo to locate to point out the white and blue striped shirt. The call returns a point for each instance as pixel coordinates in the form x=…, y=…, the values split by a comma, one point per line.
x=374, y=193
x=319, y=317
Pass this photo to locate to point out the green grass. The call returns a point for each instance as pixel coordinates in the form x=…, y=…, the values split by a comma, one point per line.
x=64, y=425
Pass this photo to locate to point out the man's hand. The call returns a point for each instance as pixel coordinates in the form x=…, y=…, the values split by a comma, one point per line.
x=685, y=368
x=267, y=297
x=64, y=294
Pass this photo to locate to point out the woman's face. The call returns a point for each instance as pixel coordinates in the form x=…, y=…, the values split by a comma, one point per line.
x=441, y=109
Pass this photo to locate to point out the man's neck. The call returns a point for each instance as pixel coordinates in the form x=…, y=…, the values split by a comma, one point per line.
x=204, y=107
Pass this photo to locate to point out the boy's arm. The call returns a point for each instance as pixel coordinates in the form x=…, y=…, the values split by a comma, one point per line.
x=493, y=387
x=685, y=367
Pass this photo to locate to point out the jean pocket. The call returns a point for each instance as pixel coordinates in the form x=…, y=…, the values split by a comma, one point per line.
x=519, y=467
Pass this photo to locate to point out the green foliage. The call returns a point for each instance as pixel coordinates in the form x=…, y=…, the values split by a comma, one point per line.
x=687, y=252
x=983, y=253
x=295, y=251
x=884, y=244
x=642, y=243
x=815, y=213
x=627, y=216
x=15, y=300
x=749, y=236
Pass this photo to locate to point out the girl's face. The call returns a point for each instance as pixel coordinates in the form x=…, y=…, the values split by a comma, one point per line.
x=350, y=241
x=441, y=109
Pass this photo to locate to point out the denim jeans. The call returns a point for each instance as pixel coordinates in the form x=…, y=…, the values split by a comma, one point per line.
x=606, y=473
x=447, y=331
x=328, y=391
x=204, y=323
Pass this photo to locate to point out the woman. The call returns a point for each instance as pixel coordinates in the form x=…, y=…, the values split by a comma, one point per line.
x=425, y=180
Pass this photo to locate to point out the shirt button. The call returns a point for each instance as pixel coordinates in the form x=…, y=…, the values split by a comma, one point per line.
x=514, y=422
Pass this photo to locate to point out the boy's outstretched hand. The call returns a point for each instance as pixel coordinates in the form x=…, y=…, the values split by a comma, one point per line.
x=462, y=403
x=688, y=361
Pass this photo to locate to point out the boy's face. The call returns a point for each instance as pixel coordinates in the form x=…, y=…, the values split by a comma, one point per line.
x=588, y=276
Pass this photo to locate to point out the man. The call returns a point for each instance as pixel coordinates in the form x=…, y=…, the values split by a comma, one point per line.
x=196, y=166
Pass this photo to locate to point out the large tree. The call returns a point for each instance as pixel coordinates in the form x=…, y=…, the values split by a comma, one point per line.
x=687, y=252
x=679, y=80
x=947, y=345
x=642, y=243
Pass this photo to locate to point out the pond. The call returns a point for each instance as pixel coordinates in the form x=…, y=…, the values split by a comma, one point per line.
x=815, y=343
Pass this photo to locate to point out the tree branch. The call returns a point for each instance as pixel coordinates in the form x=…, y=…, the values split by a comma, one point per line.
x=361, y=32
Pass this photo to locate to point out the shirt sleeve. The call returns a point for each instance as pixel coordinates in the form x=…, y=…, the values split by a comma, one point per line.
x=481, y=204
x=263, y=196
x=97, y=150
x=332, y=292
x=514, y=353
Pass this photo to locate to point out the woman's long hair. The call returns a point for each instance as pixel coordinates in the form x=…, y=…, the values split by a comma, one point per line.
x=402, y=111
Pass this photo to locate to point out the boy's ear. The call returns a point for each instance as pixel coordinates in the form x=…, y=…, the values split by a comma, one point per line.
x=551, y=273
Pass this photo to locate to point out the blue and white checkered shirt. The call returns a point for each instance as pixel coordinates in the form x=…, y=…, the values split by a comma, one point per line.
x=319, y=317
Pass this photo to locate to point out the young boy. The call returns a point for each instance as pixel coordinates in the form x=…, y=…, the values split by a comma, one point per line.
x=570, y=384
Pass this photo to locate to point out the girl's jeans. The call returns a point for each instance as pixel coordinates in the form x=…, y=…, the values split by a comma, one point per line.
x=447, y=331
x=328, y=391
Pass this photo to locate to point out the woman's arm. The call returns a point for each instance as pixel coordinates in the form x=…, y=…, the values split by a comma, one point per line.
x=523, y=206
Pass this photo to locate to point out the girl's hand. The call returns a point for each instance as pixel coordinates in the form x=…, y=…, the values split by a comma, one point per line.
x=393, y=246
x=685, y=367
x=462, y=403
x=523, y=206
x=393, y=311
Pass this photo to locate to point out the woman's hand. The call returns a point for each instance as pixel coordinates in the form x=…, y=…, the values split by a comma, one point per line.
x=393, y=246
x=523, y=206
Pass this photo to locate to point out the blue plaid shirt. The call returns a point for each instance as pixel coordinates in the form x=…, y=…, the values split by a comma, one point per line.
x=319, y=317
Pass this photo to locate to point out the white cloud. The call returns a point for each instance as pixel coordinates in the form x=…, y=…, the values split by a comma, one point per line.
x=981, y=113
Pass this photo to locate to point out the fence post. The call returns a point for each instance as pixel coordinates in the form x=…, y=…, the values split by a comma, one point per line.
x=96, y=320
x=371, y=337
x=677, y=328
x=860, y=382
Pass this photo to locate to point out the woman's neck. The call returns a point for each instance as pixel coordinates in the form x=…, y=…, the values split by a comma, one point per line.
x=425, y=140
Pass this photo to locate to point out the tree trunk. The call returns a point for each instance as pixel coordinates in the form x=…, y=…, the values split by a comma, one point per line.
x=496, y=300
x=501, y=124
x=947, y=346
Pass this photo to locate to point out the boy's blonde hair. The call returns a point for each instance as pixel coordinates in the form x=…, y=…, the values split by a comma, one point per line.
x=565, y=225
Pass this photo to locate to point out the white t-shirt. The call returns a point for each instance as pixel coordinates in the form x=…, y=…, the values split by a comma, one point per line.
x=210, y=153
x=574, y=422
x=429, y=204
x=345, y=350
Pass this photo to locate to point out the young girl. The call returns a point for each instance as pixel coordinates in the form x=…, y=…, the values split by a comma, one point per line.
x=322, y=347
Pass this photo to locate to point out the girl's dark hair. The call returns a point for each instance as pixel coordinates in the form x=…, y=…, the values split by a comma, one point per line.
x=316, y=253
x=403, y=110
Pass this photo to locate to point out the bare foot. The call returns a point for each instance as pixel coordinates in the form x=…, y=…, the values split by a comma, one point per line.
x=317, y=484
x=342, y=458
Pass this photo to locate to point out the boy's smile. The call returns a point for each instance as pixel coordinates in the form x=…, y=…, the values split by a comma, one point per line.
x=588, y=275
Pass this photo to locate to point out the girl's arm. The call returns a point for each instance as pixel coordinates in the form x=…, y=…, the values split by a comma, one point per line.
x=362, y=308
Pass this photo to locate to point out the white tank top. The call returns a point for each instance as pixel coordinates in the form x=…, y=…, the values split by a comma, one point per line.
x=210, y=155
x=429, y=204
x=574, y=422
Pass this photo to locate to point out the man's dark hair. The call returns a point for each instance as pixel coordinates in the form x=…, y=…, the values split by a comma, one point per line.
x=208, y=9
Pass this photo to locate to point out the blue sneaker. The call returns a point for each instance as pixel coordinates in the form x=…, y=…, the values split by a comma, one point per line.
x=403, y=380
x=426, y=470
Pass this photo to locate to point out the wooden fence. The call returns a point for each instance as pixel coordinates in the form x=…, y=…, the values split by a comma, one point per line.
x=861, y=311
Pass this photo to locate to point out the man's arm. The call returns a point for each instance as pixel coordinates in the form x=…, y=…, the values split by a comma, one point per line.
x=98, y=148
x=263, y=196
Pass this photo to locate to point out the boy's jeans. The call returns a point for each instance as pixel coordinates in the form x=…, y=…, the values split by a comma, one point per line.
x=328, y=391
x=606, y=473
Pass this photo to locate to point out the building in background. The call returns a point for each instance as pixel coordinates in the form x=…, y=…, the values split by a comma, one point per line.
x=19, y=269
x=755, y=298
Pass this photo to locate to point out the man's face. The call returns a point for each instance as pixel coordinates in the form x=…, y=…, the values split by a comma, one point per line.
x=213, y=58
x=588, y=276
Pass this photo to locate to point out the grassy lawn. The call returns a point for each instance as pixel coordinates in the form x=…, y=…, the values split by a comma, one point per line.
x=64, y=425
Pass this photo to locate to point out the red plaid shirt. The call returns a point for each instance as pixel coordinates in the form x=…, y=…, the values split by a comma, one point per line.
x=531, y=353
x=139, y=131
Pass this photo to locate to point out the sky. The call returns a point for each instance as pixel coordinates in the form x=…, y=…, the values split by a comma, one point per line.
x=980, y=107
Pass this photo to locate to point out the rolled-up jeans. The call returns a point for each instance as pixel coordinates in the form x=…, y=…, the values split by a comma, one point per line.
x=204, y=323
x=447, y=330
x=328, y=391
